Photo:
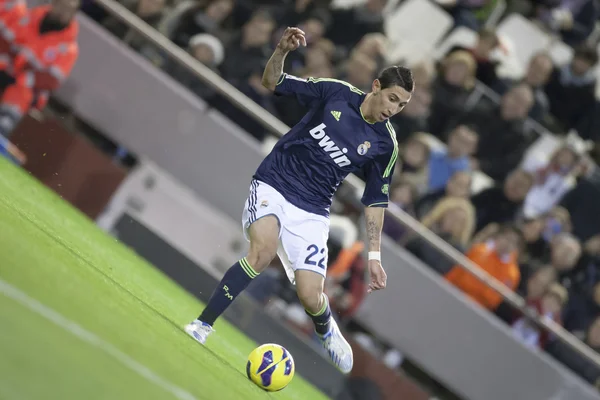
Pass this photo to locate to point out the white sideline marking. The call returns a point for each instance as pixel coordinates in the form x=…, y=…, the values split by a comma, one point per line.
x=22, y=298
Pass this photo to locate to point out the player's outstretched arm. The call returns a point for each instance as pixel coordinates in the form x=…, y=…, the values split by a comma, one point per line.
x=291, y=39
x=374, y=219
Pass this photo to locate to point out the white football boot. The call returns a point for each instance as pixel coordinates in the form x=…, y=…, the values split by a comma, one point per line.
x=199, y=330
x=338, y=348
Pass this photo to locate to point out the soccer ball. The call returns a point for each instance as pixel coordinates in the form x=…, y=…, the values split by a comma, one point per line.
x=271, y=367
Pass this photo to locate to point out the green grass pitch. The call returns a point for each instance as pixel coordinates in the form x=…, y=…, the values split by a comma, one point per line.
x=83, y=317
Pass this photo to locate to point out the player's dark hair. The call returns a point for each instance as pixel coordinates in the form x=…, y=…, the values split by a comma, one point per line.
x=397, y=76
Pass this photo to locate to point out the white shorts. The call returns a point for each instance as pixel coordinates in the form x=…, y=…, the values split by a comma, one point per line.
x=302, y=235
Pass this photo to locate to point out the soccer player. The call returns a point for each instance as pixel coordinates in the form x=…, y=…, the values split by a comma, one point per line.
x=287, y=210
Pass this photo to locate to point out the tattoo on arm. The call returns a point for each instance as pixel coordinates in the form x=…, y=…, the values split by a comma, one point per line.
x=374, y=218
x=274, y=69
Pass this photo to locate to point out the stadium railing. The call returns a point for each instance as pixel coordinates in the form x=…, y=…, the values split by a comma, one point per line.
x=278, y=128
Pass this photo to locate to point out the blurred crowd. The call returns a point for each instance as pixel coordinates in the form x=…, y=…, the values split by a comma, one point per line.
x=534, y=228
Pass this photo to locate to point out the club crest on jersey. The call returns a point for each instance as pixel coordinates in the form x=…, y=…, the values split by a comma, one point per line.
x=385, y=189
x=325, y=142
x=363, y=148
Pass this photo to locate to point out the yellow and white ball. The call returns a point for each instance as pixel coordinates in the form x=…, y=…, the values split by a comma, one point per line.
x=271, y=367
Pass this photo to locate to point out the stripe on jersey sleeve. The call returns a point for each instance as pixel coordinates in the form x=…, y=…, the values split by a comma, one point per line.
x=394, y=157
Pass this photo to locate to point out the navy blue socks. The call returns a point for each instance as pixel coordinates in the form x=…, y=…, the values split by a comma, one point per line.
x=235, y=280
x=322, y=319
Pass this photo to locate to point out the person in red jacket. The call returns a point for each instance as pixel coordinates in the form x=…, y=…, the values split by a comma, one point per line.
x=11, y=11
x=42, y=52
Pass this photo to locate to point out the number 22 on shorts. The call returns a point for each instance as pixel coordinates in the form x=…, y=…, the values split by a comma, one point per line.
x=314, y=250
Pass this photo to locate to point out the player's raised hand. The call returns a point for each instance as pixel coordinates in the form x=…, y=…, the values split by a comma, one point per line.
x=291, y=39
x=378, y=276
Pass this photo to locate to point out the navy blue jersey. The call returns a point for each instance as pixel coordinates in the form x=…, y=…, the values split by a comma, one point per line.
x=332, y=140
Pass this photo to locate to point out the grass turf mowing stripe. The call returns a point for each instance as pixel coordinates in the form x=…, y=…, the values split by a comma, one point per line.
x=64, y=261
x=81, y=333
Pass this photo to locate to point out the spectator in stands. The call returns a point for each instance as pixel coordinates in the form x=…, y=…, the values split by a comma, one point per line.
x=35, y=66
x=498, y=257
x=583, y=307
x=453, y=216
x=190, y=18
x=584, y=292
x=413, y=162
x=249, y=49
x=10, y=9
x=150, y=11
x=581, y=203
x=487, y=43
x=501, y=203
x=538, y=283
x=451, y=90
x=571, y=89
x=314, y=28
x=502, y=136
x=549, y=307
x=555, y=222
x=205, y=48
x=573, y=20
x=414, y=117
x=538, y=74
x=573, y=360
x=537, y=233
x=453, y=219
x=318, y=60
x=535, y=245
x=10, y=13
x=359, y=71
x=444, y=163
x=565, y=252
x=459, y=185
x=553, y=178
x=403, y=195
x=350, y=25
x=373, y=46
x=315, y=25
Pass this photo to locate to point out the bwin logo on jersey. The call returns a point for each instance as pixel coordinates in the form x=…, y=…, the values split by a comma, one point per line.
x=318, y=132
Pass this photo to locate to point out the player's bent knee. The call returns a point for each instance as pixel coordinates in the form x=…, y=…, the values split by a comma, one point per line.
x=260, y=258
x=311, y=298
x=309, y=287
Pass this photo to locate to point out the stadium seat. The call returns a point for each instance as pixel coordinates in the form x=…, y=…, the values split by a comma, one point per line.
x=561, y=53
x=346, y=3
x=411, y=36
x=530, y=39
